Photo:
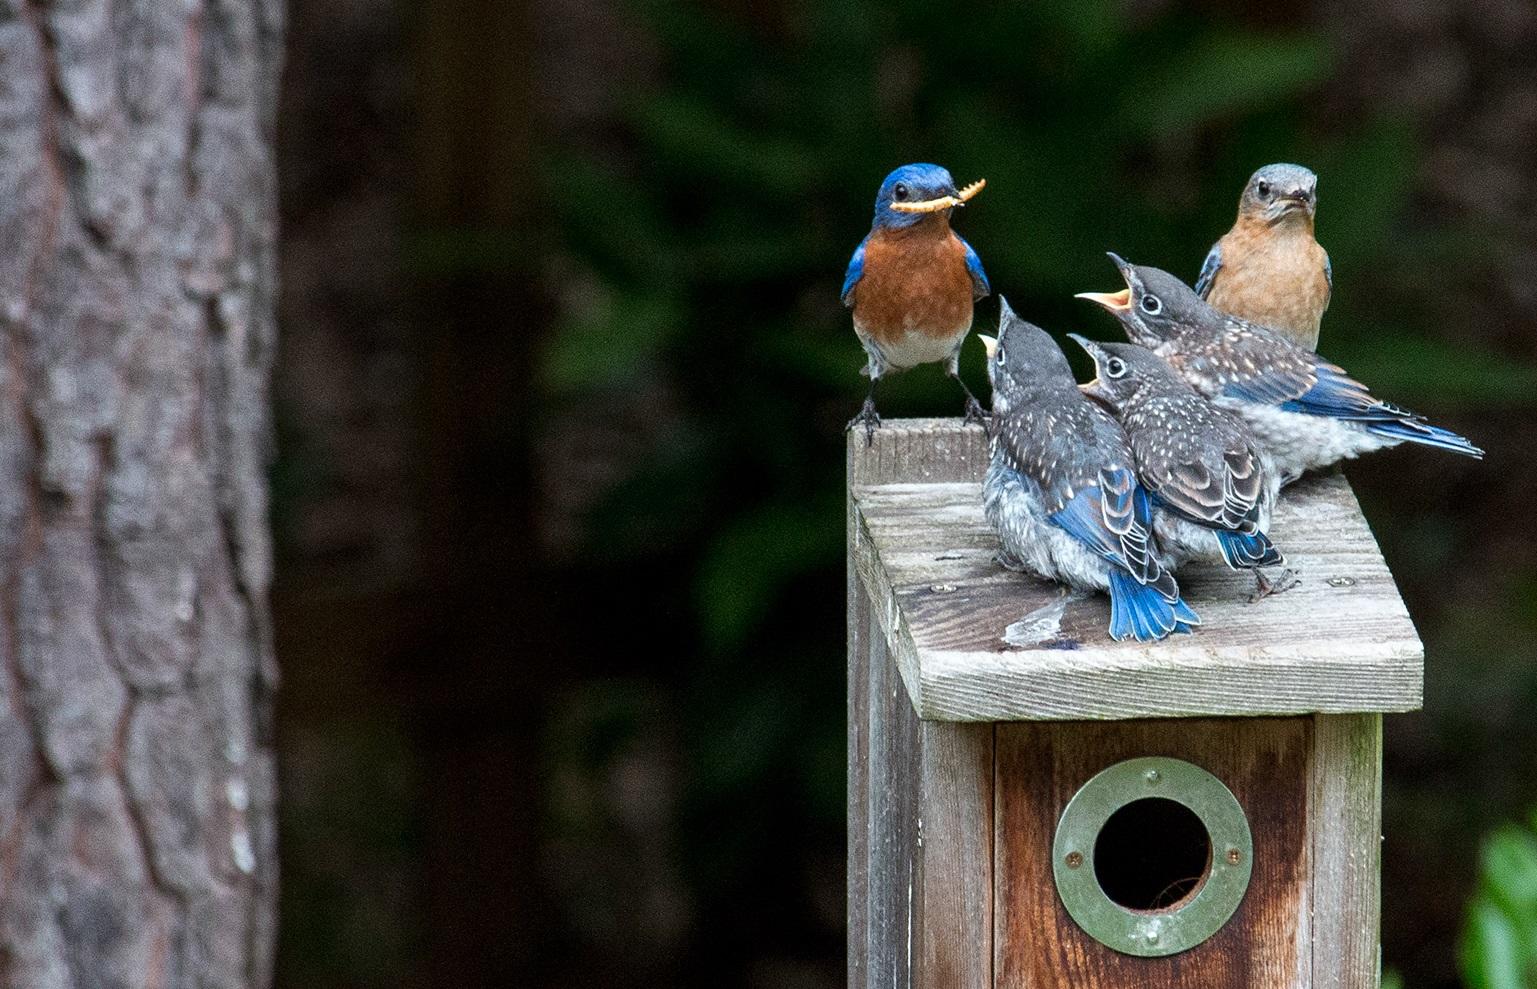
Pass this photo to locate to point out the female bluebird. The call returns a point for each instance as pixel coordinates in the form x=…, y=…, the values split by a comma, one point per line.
x=1306, y=412
x=1213, y=488
x=913, y=281
x=1268, y=269
x=1062, y=492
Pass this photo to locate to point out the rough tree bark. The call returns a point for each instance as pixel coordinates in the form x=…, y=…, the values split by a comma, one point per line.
x=137, y=836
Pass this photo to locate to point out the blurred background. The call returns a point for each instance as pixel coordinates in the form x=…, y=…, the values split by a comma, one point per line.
x=560, y=398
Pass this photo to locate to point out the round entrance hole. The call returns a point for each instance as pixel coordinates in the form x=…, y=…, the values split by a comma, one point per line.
x=1152, y=855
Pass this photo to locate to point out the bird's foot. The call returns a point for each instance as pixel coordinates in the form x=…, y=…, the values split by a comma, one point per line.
x=1264, y=587
x=976, y=414
x=869, y=419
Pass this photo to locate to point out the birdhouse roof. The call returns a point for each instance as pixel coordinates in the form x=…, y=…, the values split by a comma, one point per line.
x=976, y=642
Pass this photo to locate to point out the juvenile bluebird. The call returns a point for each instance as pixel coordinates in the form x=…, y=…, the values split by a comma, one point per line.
x=1268, y=269
x=1213, y=488
x=1062, y=492
x=1305, y=412
x=913, y=281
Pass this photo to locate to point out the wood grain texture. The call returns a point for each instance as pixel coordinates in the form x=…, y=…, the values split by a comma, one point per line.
x=920, y=813
x=1339, y=642
x=1041, y=765
x=137, y=776
x=1346, y=782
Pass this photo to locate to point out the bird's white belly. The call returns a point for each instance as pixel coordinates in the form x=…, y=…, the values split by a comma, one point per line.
x=913, y=346
x=1300, y=442
x=1030, y=541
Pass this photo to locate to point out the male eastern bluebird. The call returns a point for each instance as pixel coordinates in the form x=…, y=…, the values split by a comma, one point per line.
x=913, y=281
x=1062, y=492
x=1213, y=488
x=1305, y=411
x=1268, y=269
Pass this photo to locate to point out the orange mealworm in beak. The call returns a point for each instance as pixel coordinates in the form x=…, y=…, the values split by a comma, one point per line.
x=943, y=202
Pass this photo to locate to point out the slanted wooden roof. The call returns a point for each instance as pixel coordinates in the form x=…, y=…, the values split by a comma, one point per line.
x=975, y=642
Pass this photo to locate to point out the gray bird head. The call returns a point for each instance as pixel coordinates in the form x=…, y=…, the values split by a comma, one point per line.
x=1126, y=373
x=1155, y=306
x=1023, y=362
x=1279, y=192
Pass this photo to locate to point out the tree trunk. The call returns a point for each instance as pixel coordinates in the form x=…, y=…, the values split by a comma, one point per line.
x=137, y=834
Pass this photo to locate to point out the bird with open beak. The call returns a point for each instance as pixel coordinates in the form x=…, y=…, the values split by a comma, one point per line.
x=1268, y=269
x=1061, y=488
x=1213, y=488
x=913, y=282
x=1305, y=412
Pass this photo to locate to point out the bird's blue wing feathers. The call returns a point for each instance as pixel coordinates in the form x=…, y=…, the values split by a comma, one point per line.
x=1338, y=395
x=1328, y=272
x=979, y=284
x=852, y=276
x=1113, y=519
x=1209, y=270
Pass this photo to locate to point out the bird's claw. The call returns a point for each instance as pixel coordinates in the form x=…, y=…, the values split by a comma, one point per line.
x=1264, y=587
x=976, y=414
x=869, y=419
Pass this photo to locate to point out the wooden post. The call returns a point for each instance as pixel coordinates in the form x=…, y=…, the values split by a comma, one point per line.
x=981, y=701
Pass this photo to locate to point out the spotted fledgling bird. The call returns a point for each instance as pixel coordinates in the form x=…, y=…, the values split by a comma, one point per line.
x=1062, y=492
x=1305, y=412
x=1268, y=269
x=1213, y=488
x=913, y=281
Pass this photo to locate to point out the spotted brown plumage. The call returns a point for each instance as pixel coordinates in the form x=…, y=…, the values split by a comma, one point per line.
x=1304, y=411
x=1213, y=487
x=1062, y=492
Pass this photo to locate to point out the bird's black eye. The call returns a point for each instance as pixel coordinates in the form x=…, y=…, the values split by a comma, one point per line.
x=1262, y=187
x=1115, y=367
x=900, y=192
x=1152, y=305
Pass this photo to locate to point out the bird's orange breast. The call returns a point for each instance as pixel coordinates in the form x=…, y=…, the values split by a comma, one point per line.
x=1274, y=277
x=915, y=283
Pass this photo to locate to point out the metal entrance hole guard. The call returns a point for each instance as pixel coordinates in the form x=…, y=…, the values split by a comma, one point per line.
x=1158, y=932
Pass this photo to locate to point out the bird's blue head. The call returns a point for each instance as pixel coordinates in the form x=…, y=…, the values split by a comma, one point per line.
x=914, y=192
x=1278, y=192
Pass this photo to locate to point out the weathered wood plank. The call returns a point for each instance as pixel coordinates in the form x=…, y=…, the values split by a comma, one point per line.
x=975, y=642
x=920, y=793
x=906, y=451
x=955, y=856
x=859, y=626
x=1041, y=765
x=1346, y=810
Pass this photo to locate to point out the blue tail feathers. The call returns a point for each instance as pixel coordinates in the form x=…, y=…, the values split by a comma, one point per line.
x=1245, y=552
x=1425, y=434
x=1141, y=612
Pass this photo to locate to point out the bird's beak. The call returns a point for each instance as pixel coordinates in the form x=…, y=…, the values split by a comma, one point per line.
x=1116, y=302
x=989, y=344
x=1092, y=388
x=942, y=202
x=1288, y=204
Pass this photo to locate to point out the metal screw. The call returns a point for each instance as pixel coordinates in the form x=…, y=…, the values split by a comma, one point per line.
x=1074, y=859
x=1152, y=776
x=1152, y=937
x=1341, y=582
x=1234, y=856
x=941, y=588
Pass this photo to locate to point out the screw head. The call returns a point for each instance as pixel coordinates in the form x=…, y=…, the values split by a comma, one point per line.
x=1074, y=859
x=1152, y=776
x=1234, y=856
x=1341, y=582
x=941, y=588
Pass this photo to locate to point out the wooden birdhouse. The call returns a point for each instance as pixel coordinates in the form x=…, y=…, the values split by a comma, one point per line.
x=1033, y=805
